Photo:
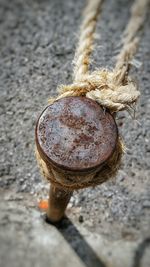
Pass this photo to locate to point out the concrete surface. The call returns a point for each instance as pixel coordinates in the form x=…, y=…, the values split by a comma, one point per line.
x=108, y=226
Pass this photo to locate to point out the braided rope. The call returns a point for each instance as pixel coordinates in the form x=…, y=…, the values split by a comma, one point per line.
x=114, y=90
x=85, y=45
x=130, y=40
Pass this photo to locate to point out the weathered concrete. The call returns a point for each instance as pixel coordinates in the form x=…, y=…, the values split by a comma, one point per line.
x=108, y=225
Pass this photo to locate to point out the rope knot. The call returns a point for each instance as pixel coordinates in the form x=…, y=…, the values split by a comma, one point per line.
x=111, y=89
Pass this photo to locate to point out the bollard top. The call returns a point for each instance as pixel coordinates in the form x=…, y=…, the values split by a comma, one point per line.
x=76, y=134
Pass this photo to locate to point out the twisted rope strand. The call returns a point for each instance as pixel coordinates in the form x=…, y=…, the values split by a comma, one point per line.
x=130, y=40
x=85, y=44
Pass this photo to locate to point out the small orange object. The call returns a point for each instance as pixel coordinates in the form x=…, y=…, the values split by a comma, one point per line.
x=43, y=204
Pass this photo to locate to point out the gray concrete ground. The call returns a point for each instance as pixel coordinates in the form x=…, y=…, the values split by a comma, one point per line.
x=108, y=225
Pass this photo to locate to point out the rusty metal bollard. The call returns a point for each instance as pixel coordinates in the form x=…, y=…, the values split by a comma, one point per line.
x=74, y=137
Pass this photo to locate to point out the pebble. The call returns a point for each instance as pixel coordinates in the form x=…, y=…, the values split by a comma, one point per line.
x=81, y=220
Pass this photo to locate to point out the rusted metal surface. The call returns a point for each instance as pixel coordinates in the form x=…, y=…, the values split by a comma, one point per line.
x=76, y=134
x=57, y=203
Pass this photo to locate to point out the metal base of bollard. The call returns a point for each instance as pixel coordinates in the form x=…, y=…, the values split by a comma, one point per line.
x=58, y=200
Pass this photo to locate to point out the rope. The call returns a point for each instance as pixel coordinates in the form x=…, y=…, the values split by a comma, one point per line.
x=74, y=182
x=85, y=45
x=130, y=40
x=114, y=90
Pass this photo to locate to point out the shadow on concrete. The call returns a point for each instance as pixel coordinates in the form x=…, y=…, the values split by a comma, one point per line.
x=78, y=244
x=139, y=253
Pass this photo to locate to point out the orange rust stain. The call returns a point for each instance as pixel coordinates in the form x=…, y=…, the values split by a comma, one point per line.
x=43, y=204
